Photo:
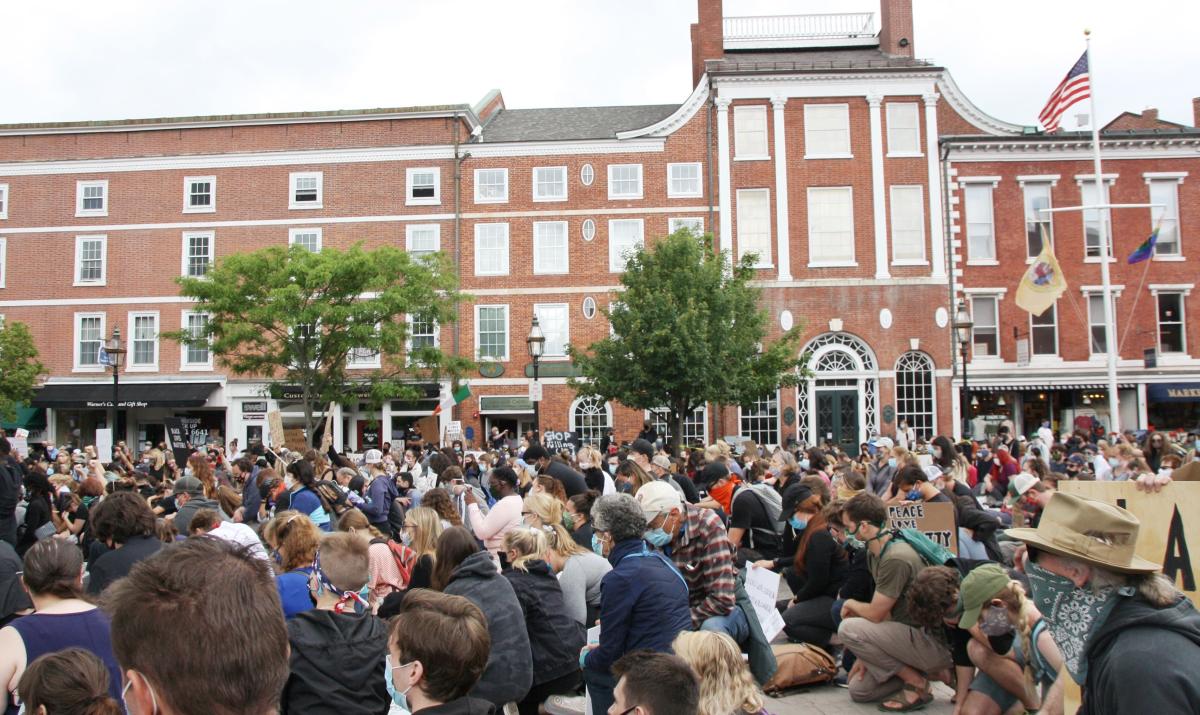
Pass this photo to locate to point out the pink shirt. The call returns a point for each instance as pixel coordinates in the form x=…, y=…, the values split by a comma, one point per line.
x=503, y=517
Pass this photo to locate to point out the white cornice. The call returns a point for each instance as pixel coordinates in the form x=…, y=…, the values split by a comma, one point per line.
x=677, y=119
x=1043, y=149
x=970, y=112
x=591, y=146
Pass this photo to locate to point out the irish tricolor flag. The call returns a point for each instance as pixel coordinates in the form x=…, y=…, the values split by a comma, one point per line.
x=452, y=399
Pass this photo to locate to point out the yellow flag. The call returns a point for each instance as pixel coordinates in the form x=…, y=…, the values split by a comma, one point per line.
x=1043, y=283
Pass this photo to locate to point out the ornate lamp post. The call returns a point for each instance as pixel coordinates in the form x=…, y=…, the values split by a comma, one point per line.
x=962, y=329
x=536, y=342
x=115, y=353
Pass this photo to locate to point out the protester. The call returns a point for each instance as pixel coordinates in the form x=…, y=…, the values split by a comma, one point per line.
x=72, y=681
x=880, y=472
x=386, y=574
x=207, y=522
x=726, y=685
x=572, y=481
x=752, y=530
x=10, y=493
x=653, y=684
x=124, y=522
x=294, y=540
x=39, y=511
x=504, y=515
x=53, y=575
x=579, y=507
x=441, y=502
x=422, y=528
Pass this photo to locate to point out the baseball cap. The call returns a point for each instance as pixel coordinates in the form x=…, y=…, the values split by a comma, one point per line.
x=977, y=588
x=642, y=446
x=1076, y=459
x=188, y=485
x=657, y=497
x=712, y=473
x=661, y=460
x=883, y=443
x=1023, y=482
x=373, y=456
x=793, y=495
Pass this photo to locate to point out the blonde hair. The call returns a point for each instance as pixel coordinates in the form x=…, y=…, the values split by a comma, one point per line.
x=355, y=521
x=726, y=685
x=530, y=544
x=550, y=512
x=1020, y=611
x=429, y=528
x=589, y=454
x=295, y=536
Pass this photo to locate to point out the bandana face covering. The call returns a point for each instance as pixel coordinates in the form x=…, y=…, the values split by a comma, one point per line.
x=1073, y=614
x=724, y=493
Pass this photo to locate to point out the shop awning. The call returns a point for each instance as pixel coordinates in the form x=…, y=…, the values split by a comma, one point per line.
x=30, y=418
x=1174, y=392
x=1048, y=387
x=99, y=395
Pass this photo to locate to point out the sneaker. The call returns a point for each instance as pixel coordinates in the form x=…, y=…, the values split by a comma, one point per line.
x=842, y=681
x=566, y=705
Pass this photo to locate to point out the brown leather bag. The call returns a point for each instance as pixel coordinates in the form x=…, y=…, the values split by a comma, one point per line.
x=800, y=664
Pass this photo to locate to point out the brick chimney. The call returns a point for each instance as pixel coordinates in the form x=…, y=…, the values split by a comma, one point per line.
x=1196, y=112
x=708, y=36
x=895, y=27
x=1150, y=116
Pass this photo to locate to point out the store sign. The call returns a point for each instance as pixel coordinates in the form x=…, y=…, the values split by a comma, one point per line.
x=255, y=407
x=554, y=369
x=1174, y=392
x=1023, y=352
x=491, y=369
x=104, y=404
x=505, y=403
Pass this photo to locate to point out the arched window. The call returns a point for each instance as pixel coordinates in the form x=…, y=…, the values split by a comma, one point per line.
x=914, y=393
x=590, y=417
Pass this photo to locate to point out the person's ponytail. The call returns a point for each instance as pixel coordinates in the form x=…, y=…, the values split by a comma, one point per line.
x=69, y=682
x=102, y=705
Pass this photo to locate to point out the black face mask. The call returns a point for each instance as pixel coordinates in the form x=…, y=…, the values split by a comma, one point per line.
x=1002, y=643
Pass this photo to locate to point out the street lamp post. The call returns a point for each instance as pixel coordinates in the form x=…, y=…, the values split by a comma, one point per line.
x=115, y=353
x=962, y=328
x=536, y=342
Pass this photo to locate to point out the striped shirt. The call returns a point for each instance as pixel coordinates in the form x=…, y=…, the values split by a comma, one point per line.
x=704, y=555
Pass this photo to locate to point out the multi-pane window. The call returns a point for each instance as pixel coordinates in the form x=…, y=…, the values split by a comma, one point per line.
x=424, y=186
x=624, y=181
x=550, y=183
x=422, y=333
x=3, y=201
x=760, y=420
x=306, y=189
x=1043, y=332
x=196, y=354
x=1037, y=220
x=624, y=237
x=91, y=198
x=693, y=224
x=200, y=194
x=197, y=253
x=1171, y=337
x=830, y=226
x=1165, y=217
x=754, y=224
x=903, y=129
x=826, y=130
x=550, y=247
x=89, y=259
x=587, y=174
x=908, y=224
x=590, y=418
x=1092, y=219
x=694, y=425
x=552, y=318
x=1099, y=341
x=914, y=393
x=307, y=238
x=491, y=186
x=491, y=332
x=89, y=336
x=143, y=346
x=985, y=333
x=750, y=132
x=422, y=239
x=981, y=229
x=364, y=357
x=683, y=180
x=491, y=249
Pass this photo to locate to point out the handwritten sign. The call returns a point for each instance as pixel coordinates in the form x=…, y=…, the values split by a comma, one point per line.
x=275, y=428
x=556, y=442
x=762, y=586
x=934, y=519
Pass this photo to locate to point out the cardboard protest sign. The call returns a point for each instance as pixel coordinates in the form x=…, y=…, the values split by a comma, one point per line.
x=293, y=439
x=934, y=519
x=555, y=442
x=275, y=428
x=1170, y=529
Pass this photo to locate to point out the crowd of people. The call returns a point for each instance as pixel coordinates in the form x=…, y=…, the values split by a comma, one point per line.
x=610, y=579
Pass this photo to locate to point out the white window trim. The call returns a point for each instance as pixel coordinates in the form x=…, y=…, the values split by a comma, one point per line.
x=1051, y=179
x=481, y=200
x=833, y=155
x=747, y=109
x=566, y=248
x=583, y=174
x=1044, y=358
x=3, y=261
x=76, y=366
x=187, y=195
x=507, y=251
x=1098, y=291
x=507, y=331
x=1164, y=176
x=79, y=187
x=79, y=241
x=319, y=203
x=966, y=224
x=1107, y=180
x=611, y=263
x=924, y=260
x=374, y=363
x=4, y=201
x=566, y=308
x=699, y=181
x=409, y=199
x=293, y=232
x=212, y=251
x=673, y=223
x=130, y=366
x=1183, y=290
x=437, y=339
x=764, y=259
x=998, y=295
x=533, y=183
x=829, y=264
x=1049, y=216
x=640, y=189
x=410, y=228
x=888, y=116
x=184, y=365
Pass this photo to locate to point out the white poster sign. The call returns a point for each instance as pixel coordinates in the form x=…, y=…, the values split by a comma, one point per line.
x=104, y=444
x=762, y=585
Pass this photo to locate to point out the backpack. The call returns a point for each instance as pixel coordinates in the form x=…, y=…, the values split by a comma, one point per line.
x=333, y=500
x=931, y=552
x=772, y=502
x=405, y=558
x=800, y=664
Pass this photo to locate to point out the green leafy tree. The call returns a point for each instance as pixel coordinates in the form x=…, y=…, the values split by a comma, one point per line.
x=19, y=368
x=688, y=329
x=299, y=318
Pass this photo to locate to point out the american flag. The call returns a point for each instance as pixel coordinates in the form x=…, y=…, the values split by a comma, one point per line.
x=1074, y=88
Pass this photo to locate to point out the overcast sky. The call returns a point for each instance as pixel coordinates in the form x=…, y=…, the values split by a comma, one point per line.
x=153, y=58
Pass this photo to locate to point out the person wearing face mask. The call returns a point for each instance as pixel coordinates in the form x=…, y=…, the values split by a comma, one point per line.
x=880, y=472
x=437, y=651
x=1130, y=639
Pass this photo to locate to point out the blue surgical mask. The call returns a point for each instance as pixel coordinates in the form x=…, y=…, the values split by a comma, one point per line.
x=892, y=462
x=400, y=698
x=914, y=494
x=805, y=463
x=1114, y=462
x=597, y=545
x=658, y=537
x=797, y=523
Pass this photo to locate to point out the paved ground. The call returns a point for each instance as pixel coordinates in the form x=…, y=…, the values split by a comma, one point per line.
x=832, y=700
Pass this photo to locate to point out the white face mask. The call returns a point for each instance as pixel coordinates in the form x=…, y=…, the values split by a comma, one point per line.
x=288, y=482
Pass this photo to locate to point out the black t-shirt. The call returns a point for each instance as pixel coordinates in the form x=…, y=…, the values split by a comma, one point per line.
x=751, y=514
x=572, y=481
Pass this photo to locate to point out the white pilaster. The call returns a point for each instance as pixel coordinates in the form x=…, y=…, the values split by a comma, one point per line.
x=878, y=200
x=936, y=239
x=783, y=258
x=725, y=234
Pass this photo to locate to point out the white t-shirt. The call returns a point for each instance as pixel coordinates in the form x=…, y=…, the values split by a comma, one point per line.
x=241, y=535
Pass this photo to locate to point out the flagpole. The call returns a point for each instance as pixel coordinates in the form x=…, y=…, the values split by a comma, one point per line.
x=1114, y=414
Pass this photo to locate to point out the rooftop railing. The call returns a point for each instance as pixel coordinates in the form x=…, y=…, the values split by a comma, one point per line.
x=779, y=31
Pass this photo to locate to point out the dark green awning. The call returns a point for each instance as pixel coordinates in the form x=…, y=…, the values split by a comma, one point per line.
x=29, y=418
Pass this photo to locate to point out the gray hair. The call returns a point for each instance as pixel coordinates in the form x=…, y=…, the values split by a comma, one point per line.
x=1154, y=587
x=620, y=516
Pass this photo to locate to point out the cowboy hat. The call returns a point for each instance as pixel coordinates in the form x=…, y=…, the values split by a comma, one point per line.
x=1088, y=530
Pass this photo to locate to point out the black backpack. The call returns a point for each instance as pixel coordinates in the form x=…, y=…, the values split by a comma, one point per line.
x=396, y=510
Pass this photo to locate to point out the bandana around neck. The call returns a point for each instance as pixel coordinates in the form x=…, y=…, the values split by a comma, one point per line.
x=1073, y=614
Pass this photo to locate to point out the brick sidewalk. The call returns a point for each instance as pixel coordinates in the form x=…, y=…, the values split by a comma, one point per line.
x=832, y=700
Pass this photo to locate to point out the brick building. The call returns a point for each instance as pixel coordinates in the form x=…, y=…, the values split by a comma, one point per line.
x=812, y=141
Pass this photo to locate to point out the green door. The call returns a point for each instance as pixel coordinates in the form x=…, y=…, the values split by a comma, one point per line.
x=837, y=418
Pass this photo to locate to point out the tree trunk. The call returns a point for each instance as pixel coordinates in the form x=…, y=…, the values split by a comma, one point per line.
x=678, y=410
x=309, y=428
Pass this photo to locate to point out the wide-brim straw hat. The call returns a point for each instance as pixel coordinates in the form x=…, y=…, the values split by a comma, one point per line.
x=1088, y=530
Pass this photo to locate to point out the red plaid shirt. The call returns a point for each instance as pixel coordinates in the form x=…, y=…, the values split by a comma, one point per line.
x=704, y=555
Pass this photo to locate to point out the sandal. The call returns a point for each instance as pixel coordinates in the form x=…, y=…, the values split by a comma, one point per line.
x=902, y=705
